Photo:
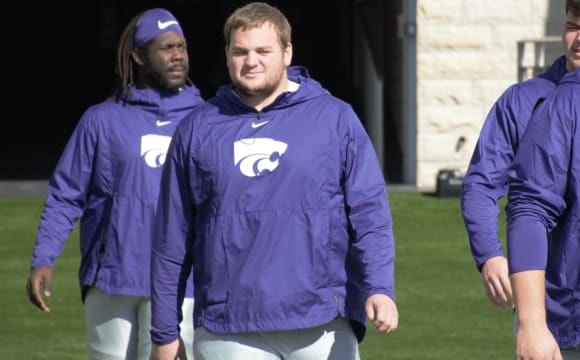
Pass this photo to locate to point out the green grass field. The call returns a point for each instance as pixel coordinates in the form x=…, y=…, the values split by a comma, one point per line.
x=443, y=310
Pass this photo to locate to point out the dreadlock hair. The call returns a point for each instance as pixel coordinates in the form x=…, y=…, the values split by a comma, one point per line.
x=125, y=69
x=124, y=65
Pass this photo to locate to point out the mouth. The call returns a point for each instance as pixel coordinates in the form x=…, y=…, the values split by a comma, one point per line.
x=176, y=70
x=251, y=74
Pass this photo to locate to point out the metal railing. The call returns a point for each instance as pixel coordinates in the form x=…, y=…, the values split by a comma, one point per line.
x=534, y=55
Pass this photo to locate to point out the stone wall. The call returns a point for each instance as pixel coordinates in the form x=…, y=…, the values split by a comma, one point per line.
x=466, y=57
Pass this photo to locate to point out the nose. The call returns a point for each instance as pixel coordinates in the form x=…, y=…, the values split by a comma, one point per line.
x=178, y=54
x=252, y=58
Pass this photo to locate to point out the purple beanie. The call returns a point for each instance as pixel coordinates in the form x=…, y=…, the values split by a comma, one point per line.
x=153, y=23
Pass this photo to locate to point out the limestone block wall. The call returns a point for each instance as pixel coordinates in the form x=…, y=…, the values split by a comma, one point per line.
x=466, y=57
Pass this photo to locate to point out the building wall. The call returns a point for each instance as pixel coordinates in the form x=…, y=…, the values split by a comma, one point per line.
x=466, y=57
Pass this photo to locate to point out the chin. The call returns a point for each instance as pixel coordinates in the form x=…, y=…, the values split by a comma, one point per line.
x=174, y=85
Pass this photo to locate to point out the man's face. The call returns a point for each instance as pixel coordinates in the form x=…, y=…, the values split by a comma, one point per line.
x=257, y=62
x=167, y=62
x=571, y=41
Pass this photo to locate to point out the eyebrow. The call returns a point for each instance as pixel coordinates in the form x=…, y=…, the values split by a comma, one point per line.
x=238, y=48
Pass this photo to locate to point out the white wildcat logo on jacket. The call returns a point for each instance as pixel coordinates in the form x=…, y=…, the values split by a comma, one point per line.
x=154, y=149
x=258, y=156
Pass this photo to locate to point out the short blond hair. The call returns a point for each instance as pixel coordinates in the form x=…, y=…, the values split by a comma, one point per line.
x=256, y=14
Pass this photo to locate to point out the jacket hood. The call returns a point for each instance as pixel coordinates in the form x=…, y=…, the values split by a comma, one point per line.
x=556, y=71
x=184, y=98
x=162, y=103
x=308, y=89
x=571, y=77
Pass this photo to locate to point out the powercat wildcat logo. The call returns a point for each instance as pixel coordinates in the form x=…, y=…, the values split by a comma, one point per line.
x=154, y=149
x=258, y=156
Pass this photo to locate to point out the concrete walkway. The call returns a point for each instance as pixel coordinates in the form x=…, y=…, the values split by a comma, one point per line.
x=9, y=188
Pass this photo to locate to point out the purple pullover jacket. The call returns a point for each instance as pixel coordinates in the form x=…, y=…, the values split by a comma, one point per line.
x=283, y=212
x=108, y=176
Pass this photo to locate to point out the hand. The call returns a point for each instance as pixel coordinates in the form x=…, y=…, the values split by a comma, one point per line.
x=174, y=350
x=536, y=343
x=382, y=311
x=495, y=276
x=40, y=280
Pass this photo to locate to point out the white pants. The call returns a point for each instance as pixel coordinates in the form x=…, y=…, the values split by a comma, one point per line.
x=117, y=327
x=332, y=341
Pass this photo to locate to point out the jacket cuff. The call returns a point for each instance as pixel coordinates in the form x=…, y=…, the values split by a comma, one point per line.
x=527, y=244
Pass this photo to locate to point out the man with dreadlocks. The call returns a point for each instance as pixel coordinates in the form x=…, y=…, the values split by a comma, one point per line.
x=108, y=177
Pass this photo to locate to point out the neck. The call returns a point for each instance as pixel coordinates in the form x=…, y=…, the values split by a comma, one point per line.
x=259, y=100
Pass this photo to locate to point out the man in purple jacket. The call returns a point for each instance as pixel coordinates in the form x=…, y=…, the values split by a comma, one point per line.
x=109, y=176
x=273, y=191
x=543, y=215
x=486, y=179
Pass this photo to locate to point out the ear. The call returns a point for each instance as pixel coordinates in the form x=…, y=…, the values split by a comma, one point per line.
x=137, y=57
x=288, y=54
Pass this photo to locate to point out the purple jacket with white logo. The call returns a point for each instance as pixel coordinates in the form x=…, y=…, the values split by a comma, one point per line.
x=544, y=206
x=109, y=176
x=284, y=213
x=486, y=179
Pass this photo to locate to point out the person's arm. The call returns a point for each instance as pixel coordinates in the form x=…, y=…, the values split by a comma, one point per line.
x=533, y=338
x=369, y=216
x=485, y=182
x=537, y=188
x=171, y=246
x=65, y=203
x=171, y=351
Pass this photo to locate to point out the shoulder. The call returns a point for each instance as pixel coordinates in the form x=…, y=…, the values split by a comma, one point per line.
x=338, y=114
x=99, y=113
x=206, y=110
x=199, y=117
x=332, y=104
x=193, y=94
x=527, y=92
x=109, y=105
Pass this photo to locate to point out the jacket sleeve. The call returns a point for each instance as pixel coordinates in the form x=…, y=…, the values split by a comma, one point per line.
x=171, y=243
x=487, y=176
x=538, y=181
x=67, y=192
x=368, y=212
